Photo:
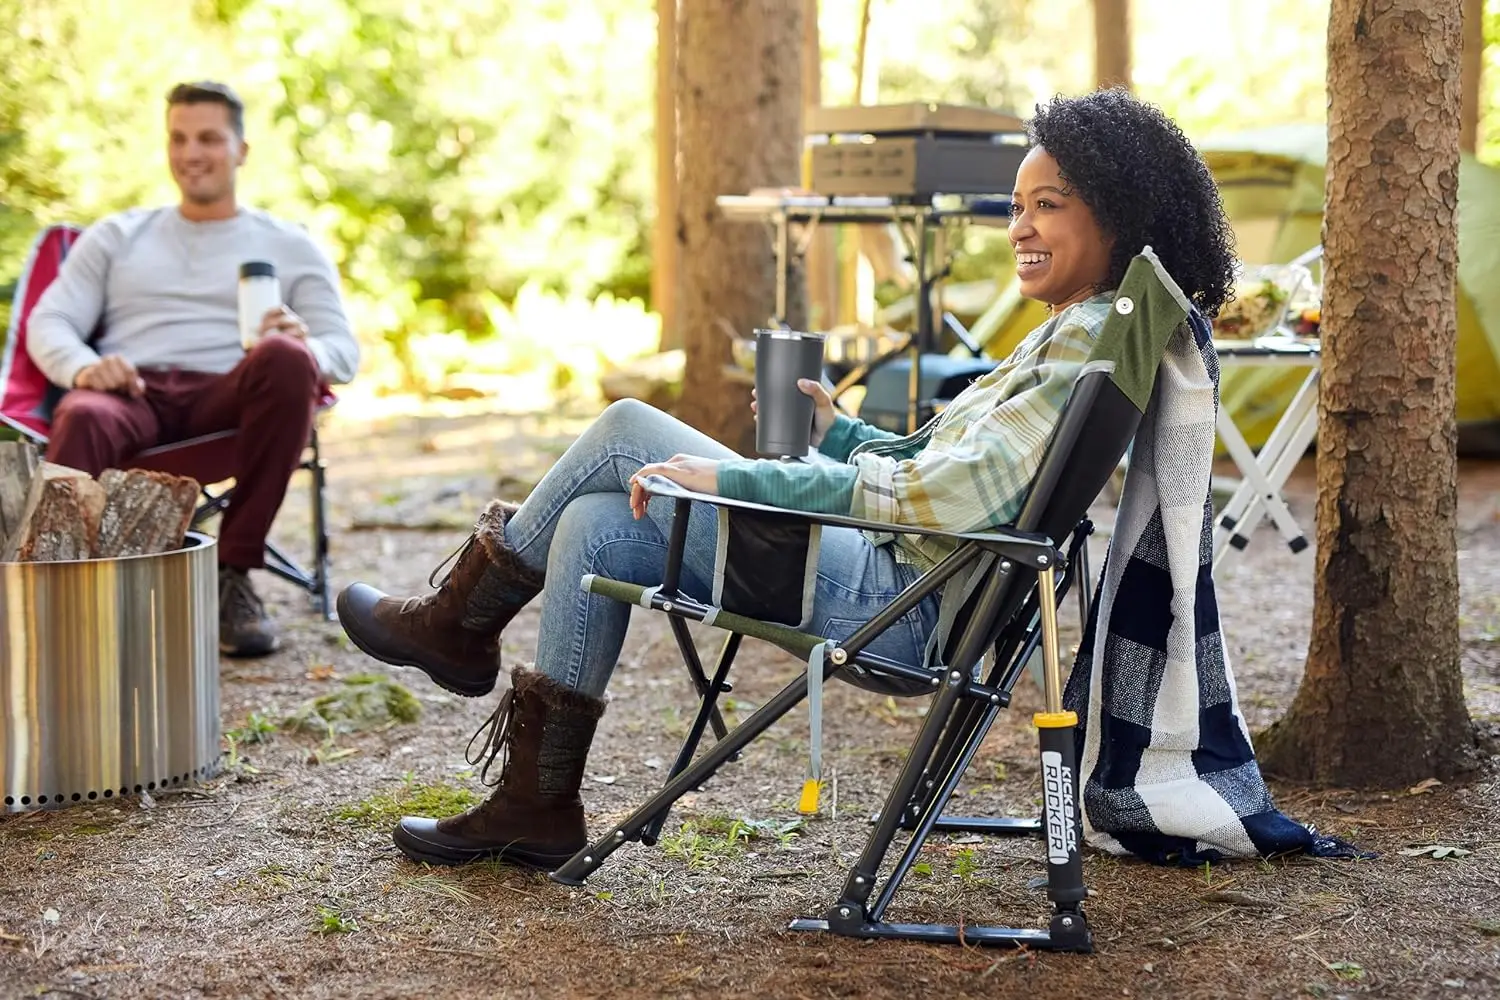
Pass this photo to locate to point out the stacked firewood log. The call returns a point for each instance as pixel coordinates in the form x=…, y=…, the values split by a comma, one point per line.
x=51, y=512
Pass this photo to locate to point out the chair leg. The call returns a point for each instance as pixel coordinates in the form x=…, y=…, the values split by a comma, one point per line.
x=321, y=563
x=316, y=580
x=955, y=735
x=932, y=819
x=708, y=711
x=706, y=690
x=278, y=563
x=967, y=730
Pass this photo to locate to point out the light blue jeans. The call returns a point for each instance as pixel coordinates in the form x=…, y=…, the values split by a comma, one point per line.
x=578, y=521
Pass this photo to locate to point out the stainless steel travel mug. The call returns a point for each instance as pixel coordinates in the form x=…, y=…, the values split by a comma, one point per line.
x=783, y=425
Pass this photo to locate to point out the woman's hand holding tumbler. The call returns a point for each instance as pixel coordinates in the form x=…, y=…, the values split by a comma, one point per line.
x=823, y=412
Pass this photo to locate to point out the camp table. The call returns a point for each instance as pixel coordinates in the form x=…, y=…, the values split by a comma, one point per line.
x=925, y=224
x=1265, y=473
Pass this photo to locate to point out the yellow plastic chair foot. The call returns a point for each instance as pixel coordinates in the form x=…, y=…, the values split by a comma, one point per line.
x=812, y=790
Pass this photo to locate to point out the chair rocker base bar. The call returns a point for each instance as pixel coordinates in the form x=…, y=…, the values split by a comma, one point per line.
x=995, y=826
x=999, y=826
x=1074, y=935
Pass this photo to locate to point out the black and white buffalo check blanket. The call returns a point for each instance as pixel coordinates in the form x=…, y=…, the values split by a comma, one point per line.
x=1167, y=768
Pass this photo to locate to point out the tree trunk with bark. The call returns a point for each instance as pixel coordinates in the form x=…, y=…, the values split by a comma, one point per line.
x=1473, y=75
x=664, y=233
x=1112, y=43
x=1381, y=703
x=821, y=261
x=739, y=127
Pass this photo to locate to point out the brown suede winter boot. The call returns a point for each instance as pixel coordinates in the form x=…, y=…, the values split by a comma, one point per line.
x=453, y=634
x=534, y=817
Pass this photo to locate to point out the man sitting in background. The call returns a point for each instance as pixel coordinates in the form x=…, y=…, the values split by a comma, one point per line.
x=168, y=364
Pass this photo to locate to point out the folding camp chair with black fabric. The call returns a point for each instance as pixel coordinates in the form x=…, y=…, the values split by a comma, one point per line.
x=1001, y=589
x=27, y=399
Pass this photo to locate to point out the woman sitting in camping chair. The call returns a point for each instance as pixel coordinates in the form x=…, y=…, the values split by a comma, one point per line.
x=1106, y=175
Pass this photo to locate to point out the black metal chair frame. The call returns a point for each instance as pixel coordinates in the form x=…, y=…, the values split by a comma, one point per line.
x=1022, y=574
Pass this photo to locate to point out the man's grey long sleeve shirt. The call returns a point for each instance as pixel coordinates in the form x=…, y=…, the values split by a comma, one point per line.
x=166, y=291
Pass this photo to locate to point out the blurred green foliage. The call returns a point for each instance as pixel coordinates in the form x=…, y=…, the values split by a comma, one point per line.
x=448, y=152
x=455, y=154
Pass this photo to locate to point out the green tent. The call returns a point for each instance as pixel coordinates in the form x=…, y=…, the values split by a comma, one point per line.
x=1272, y=184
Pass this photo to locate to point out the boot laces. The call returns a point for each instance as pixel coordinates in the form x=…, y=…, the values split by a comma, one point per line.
x=496, y=731
x=412, y=604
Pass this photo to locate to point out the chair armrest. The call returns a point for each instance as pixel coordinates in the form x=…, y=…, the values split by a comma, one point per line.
x=1034, y=550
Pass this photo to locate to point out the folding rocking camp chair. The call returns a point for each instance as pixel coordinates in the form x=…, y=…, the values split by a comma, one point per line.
x=27, y=400
x=1010, y=579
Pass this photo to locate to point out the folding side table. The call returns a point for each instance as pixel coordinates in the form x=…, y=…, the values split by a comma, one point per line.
x=1265, y=473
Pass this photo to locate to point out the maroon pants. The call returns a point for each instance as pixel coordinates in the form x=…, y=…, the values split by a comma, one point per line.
x=269, y=398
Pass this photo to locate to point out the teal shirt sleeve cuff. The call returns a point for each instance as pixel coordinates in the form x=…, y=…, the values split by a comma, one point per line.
x=848, y=433
x=818, y=489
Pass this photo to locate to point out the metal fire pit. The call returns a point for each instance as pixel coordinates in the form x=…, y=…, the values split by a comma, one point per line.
x=109, y=676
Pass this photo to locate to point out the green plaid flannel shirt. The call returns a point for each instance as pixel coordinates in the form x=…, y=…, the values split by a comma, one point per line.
x=971, y=467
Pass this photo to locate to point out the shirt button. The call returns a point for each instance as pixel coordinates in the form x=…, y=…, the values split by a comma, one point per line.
x=1124, y=306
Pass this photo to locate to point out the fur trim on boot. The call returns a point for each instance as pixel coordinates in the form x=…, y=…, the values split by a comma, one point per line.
x=506, y=583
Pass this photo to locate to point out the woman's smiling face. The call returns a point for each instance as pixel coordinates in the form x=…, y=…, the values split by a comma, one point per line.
x=1062, y=256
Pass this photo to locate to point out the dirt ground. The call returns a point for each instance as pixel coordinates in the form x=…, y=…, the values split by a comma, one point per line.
x=279, y=879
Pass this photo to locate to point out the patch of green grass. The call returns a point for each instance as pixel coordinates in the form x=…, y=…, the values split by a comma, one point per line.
x=54, y=830
x=714, y=840
x=362, y=701
x=332, y=920
x=385, y=809
x=673, y=723
x=257, y=729
x=92, y=829
x=733, y=829
x=705, y=843
x=700, y=850
x=275, y=875
x=338, y=639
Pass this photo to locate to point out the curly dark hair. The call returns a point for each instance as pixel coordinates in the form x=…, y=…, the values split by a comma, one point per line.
x=1145, y=184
